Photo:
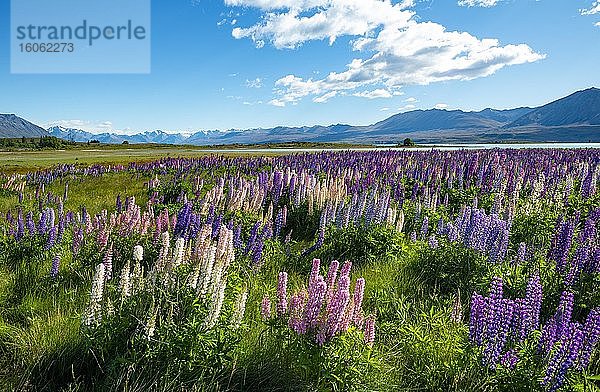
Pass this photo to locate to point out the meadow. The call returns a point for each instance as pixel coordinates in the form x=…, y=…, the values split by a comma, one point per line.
x=333, y=271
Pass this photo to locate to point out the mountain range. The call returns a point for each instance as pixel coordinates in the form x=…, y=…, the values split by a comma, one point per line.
x=575, y=118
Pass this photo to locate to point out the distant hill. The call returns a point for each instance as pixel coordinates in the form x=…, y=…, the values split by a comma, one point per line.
x=580, y=108
x=12, y=126
x=575, y=118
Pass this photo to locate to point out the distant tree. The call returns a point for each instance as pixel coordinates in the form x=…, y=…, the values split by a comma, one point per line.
x=125, y=142
x=408, y=142
x=94, y=141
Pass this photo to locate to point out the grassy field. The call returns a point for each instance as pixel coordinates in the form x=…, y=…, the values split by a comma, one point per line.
x=66, y=327
x=23, y=161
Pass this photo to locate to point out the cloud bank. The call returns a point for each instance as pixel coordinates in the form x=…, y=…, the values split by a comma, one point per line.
x=394, y=48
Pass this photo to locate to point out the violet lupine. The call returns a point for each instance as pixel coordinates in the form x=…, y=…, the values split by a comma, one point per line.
x=55, y=267
x=563, y=358
x=591, y=332
x=496, y=322
x=509, y=359
x=282, y=304
x=51, y=239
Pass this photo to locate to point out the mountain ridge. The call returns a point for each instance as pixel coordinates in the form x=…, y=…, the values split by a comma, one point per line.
x=574, y=118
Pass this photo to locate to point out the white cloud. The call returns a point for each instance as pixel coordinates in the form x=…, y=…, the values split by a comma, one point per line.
x=441, y=106
x=379, y=93
x=411, y=100
x=477, y=3
x=325, y=97
x=384, y=109
x=593, y=10
x=597, y=24
x=395, y=49
x=254, y=83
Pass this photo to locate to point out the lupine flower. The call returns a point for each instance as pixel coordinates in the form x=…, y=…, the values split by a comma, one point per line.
x=265, y=308
x=93, y=315
x=282, y=305
x=369, y=331
x=239, y=309
x=509, y=359
x=55, y=267
x=107, y=261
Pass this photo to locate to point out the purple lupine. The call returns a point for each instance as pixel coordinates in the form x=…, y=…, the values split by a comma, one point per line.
x=282, y=304
x=20, y=227
x=563, y=359
x=509, y=359
x=278, y=224
x=30, y=223
x=55, y=267
x=533, y=297
x=237, y=237
x=591, y=333
x=345, y=271
x=314, y=272
x=433, y=242
x=424, y=227
x=51, y=240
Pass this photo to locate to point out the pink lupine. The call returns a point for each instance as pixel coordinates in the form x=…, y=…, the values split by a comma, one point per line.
x=337, y=307
x=297, y=305
x=316, y=264
x=369, y=331
x=331, y=278
x=346, y=269
x=265, y=308
x=359, y=291
x=316, y=294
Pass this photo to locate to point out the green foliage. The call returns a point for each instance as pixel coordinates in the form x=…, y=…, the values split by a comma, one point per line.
x=362, y=244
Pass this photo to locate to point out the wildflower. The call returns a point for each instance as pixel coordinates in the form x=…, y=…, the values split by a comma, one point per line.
x=239, y=309
x=282, y=305
x=55, y=267
x=369, y=331
x=265, y=308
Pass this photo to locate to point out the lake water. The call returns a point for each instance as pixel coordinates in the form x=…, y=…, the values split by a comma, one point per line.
x=442, y=147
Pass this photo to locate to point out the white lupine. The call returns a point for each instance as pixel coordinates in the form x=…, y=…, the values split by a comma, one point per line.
x=138, y=253
x=239, y=309
x=400, y=221
x=150, y=326
x=178, y=252
x=216, y=303
x=209, y=261
x=93, y=314
x=125, y=280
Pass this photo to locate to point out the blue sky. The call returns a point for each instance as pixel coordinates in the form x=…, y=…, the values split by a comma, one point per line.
x=219, y=64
